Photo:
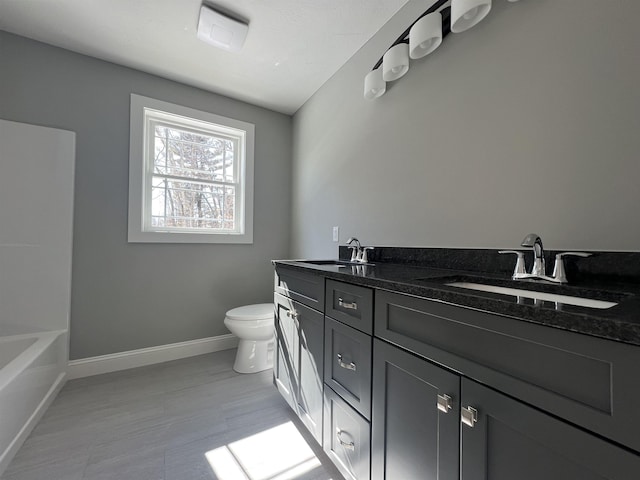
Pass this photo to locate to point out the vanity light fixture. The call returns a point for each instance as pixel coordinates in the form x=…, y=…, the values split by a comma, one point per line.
x=421, y=38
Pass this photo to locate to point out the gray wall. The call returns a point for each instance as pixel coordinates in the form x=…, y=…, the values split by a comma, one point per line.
x=129, y=296
x=529, y=122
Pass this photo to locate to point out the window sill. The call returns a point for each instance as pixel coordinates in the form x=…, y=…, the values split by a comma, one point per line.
x=187, y=237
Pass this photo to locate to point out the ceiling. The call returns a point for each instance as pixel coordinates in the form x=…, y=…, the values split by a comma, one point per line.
x=292, y=48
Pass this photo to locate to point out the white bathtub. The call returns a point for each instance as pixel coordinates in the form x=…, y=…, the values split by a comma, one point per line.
x=32, y=371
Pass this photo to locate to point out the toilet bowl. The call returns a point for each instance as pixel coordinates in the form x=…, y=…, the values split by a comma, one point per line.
x=254, y=327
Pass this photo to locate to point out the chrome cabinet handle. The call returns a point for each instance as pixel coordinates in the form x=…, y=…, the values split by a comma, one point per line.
x=348, y=366
x=293, y=315
x=347, y=445
x=444, y=403
x=469, y=416
x=347, y=305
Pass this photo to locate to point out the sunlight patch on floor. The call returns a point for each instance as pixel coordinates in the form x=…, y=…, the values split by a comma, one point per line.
x=279, y=453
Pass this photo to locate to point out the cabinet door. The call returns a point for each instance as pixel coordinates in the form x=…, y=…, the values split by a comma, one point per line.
x=285, y=367
x=411, y=437
x=311, y=331
x=511, y=440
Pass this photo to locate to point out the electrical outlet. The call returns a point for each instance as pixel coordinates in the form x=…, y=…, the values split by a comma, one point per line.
x=336, y=234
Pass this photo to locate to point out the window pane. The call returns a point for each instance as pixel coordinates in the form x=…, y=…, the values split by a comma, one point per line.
x=229, y=200
x=179, y=204
x=229, y=171
x=186, y=154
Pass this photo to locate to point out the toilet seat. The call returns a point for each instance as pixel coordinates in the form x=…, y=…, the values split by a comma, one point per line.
x=260, y=311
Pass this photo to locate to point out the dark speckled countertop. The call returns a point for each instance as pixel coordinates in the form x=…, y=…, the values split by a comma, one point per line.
x=426, y=278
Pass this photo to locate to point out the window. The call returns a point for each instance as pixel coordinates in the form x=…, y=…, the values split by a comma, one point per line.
x=190, y=175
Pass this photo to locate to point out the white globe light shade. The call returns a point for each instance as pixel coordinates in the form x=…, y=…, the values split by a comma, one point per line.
x=425, y=35
x=467, y=13
x=395, y=63
x=374, y=85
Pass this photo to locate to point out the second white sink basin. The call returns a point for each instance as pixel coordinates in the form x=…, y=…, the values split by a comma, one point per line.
x=550, y=297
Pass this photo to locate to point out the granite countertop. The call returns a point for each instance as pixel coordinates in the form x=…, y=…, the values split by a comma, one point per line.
x=620, y=323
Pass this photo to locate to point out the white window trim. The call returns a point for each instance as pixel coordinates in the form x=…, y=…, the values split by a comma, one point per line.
x=137, y=165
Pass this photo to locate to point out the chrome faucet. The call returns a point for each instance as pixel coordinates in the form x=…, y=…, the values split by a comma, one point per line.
x=358, y=252
x=538, y=271
x=534, y=240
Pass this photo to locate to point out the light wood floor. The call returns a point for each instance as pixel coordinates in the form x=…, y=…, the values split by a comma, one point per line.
x=171, y=421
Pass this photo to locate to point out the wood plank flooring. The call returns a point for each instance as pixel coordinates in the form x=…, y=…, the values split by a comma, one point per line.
x=190, y=419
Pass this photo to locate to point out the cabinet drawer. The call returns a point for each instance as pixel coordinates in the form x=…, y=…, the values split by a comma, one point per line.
x=347, y=364
x=589, y=381
x=303, y=287
x=347, y=438
x=351, y=304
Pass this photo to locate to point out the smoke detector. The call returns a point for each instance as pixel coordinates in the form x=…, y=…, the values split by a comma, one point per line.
x=221, y=30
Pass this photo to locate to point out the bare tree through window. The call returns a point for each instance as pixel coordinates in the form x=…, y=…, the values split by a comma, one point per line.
x=194, y=179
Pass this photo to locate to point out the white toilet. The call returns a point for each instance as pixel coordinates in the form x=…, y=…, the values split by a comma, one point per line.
x=254, y=326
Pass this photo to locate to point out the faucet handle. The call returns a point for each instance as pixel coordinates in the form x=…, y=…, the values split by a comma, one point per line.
x=364, y=258
x=519, y=269
x=354, y=253
x=574, y=254
x=559, y=273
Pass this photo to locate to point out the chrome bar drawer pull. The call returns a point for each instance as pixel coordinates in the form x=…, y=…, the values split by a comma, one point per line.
x=293, y=315
x=469, y=416
x=348, y=366
x=444, y=403
x=347, y=305
x=347, y=445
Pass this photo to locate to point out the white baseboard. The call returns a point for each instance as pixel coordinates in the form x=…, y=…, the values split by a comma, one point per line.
x=16, y=443
x=86, y=367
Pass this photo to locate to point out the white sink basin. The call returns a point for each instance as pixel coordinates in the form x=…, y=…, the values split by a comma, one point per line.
x=550, y=297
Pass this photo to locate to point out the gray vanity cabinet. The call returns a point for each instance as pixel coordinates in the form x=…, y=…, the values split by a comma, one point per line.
x=511, y=440
x=446, y=392
x=416, y=417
